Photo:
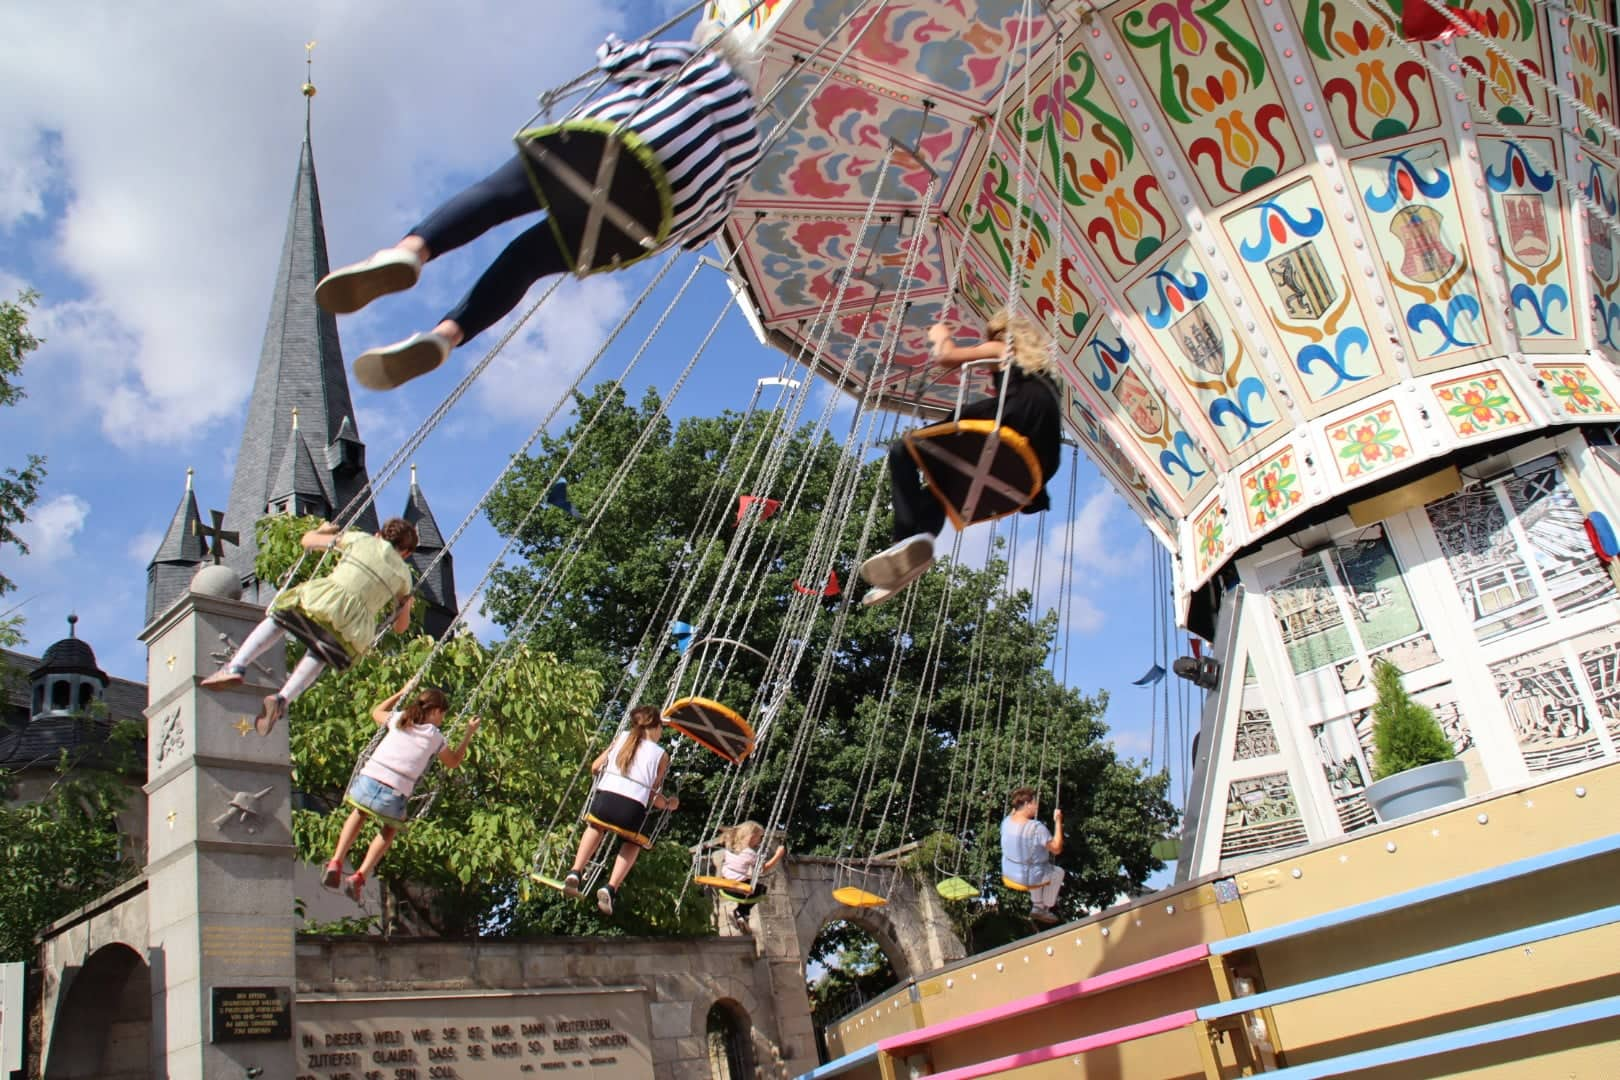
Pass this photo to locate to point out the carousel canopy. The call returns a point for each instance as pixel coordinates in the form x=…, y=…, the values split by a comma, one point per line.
x=1285, y=249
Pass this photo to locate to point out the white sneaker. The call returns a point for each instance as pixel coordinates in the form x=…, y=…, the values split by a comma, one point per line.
x=352, y=287
x=880, y=593
x=395, y=365
x=897, y=560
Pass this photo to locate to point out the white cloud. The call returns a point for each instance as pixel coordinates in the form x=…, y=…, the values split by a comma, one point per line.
x=177, y=175
x=51, y=527
x=143, y=545
x=525, y=380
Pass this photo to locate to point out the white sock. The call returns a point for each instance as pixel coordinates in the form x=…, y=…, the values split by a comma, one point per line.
x=302, y=678
x=263, y=636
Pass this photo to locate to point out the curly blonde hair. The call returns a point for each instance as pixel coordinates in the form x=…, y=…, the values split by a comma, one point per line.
x=1027, y=346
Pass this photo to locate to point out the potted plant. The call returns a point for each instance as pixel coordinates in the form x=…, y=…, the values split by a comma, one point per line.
x=1415, y=768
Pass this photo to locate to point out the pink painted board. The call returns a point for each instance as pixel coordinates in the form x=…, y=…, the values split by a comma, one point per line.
x=1108, y=980
x=1074, y=1046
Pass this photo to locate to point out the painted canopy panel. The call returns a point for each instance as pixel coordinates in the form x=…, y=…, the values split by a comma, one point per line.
x=1281, y=250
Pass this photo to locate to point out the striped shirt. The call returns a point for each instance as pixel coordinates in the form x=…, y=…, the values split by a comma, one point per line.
x=698, y=119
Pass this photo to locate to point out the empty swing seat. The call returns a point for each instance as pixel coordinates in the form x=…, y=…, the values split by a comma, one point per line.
x=850, y=896
x=954, y=888
x=976, y=470
x=712, y=725
x=604, y=191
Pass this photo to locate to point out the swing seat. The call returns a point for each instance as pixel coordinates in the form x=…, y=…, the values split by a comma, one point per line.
x=1167, y=848
x=604, y=191
x=850, y=896
x=740, y=891
x=954, y=888
x=976, y=470
x=317, y=638
x=549, y=882
x=1009, y=883
x=629, y=836
x=713, y=726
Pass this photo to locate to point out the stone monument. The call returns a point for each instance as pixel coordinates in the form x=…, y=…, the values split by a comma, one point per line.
x=220, y=863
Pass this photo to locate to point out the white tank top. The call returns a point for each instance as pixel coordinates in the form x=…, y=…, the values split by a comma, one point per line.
x=638, y=781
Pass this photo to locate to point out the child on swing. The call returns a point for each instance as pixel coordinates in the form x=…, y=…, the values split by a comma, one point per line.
x=383, y=789
x=1030, y=406
x=334, y=616
x=742, y=843
x=692, y=105
x=629, y=788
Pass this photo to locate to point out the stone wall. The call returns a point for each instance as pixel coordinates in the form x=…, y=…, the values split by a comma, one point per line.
x=683, y=980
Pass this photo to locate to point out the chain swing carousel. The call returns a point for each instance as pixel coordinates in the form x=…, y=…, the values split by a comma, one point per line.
x=1333, y=295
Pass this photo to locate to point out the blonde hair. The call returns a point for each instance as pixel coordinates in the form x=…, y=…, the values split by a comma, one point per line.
x=738, y=836
x=643, y=718
x=1026, y=346
x=736, y=46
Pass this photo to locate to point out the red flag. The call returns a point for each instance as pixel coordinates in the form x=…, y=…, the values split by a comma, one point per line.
x=768, y=508
x=832, y=588
x=1425, y=21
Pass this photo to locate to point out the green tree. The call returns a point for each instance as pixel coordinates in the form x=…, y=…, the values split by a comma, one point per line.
x=1405, y=733
x=62, y=848
x=456, y=871
x=971, y=709
x=19, y=487
x=853, y=969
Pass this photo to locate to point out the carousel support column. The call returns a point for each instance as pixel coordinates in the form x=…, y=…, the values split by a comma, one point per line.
x=220, y=858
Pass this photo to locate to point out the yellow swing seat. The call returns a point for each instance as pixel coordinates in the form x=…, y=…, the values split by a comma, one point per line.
x=629, y=836
x=605, y=193
x=976, y=470
x=1009, y=883
x=549, y=882
x=740, y=891
x=954, y=888
x=850, y=896
x=712, y=725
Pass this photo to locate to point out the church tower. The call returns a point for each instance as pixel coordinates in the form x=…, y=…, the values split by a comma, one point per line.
x=301, y=448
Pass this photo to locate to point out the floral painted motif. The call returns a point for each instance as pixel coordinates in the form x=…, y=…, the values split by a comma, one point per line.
x=1370, y=442
x=1273, y=488
x=1592, y=68
x=1053, y=295
x=1479, y=404
x=1094, y=159
x=1577, y=390
x=1512, y=29
x=1374, y=88
x=1211, y=82
x=1209, y=539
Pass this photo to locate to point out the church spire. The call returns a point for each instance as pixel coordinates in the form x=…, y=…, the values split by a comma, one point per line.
x=438, y=587
x=300, y=368
x=177, y=557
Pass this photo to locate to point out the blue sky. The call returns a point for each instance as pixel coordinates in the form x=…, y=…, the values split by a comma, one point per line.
x=147, y=160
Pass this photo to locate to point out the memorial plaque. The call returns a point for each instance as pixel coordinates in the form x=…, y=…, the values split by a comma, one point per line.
x=600, y=1033
x=251, y=1013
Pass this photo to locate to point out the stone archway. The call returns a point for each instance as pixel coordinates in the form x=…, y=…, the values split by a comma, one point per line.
x=730, y=1034
x=913, y=928
x=104, y=1022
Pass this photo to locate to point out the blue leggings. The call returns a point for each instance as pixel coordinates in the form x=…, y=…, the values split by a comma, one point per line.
x=501, y=196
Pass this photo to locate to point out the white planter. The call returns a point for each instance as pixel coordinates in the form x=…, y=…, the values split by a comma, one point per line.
x=1416, y=790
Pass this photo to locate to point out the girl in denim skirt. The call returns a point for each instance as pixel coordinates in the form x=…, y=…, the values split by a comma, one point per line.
x=383, y=788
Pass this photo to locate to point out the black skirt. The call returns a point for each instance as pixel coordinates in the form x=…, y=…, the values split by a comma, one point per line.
x=622, y=815
x=1032, y=409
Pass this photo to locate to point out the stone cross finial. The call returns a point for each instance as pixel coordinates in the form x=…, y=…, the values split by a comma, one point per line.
x=215, y=536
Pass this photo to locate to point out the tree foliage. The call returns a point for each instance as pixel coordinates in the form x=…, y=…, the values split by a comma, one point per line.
x=1405, y=733
x=62, y=848
x=19, y=486
x=969, y=711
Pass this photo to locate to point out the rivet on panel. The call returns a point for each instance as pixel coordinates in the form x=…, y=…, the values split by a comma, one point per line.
x=1169, y=909
x=1026, y=958
x=949, y=983
x=1297, y=873
x=1483, y=819
x=1049, y=950
x=1288, y=53
x=1580, y=793
x=1000, y=966
x=1530, y=803
x=1105, y=931
x=1309, y=107
x=1390, y=847
x=1158, y=151
x=1318, y=134
x=1133, y=103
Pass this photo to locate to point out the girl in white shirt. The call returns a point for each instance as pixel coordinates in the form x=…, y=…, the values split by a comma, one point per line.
x=384, y=786
x=631, y=778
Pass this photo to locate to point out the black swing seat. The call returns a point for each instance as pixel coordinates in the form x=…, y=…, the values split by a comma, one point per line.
x=317, y=638
x=712, y=725
x=629, y=836
x=604, y=192
x=976, y=470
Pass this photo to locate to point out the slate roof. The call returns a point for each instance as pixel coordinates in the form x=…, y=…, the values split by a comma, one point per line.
x=438, y=587
x=177, y=558
x=23, y=743
x=300, y=366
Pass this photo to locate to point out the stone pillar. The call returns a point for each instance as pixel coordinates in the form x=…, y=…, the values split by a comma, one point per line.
x=777, y=936
x=220, y=855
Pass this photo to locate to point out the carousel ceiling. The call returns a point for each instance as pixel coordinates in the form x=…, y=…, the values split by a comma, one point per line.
x=1283, y=250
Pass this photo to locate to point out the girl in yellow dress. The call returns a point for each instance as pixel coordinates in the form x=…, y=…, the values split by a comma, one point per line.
x=334, y=616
